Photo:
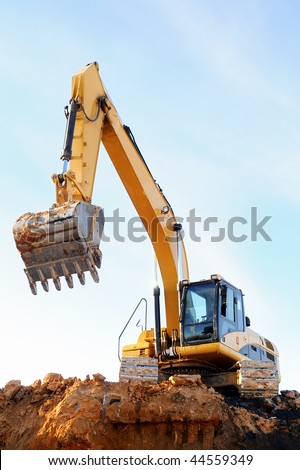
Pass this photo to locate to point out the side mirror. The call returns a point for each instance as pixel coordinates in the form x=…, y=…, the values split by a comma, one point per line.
x=248, y=323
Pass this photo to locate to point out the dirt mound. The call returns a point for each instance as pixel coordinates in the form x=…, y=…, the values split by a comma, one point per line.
x=181, y=413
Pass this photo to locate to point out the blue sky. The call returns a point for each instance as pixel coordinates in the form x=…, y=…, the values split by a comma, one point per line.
x=211, y=92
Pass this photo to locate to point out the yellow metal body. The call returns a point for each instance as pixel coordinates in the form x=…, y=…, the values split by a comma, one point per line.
x=79, y=179
x=222, y=354
x=144, y=346
x=148, y=199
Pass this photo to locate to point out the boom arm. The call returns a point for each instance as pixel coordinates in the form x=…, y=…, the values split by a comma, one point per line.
x=96, y=120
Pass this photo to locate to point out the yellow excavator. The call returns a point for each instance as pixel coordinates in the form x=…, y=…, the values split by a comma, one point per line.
x=206, y=332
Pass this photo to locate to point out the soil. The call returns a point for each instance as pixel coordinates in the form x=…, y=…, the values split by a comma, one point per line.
x=181, y=413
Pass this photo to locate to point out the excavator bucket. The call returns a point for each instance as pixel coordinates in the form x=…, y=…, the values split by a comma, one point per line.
x=60, y=242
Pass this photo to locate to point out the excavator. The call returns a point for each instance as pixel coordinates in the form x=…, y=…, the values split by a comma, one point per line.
x=207, y=332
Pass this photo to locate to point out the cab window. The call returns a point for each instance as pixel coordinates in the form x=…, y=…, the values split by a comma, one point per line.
x=199, y=312
x=230, y=310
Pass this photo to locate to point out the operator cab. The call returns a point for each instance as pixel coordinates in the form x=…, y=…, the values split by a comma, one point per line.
x=210, y=309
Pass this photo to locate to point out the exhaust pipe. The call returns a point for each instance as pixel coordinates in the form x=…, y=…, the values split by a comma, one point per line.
x=156, y=293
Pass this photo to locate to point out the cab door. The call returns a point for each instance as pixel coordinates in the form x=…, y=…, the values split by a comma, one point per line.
x=230, y=311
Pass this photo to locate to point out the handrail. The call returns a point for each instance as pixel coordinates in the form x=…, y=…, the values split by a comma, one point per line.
x=129, y=320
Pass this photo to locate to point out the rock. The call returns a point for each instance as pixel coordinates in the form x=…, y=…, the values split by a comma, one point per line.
x=52, y=377
x=36, y=384
x=53, y=386
x=189, y=380
x=99, y=378
x=53, y=381
x=290, y=393
x=11, y=389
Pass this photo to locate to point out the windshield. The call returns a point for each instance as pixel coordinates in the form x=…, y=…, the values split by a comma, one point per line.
x=199, y=312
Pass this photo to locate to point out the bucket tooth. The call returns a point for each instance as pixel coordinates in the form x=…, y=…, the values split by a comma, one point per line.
x=93, y=271
x=45, y=285
x=94, y=275
x=55, y=277
x=57, y=283
x=43, y=280
x=97, y=257
x=81, y=278
x=69, y=281
x=68, y=275
x=79, y=272
x=32, y=283
x=33, y=288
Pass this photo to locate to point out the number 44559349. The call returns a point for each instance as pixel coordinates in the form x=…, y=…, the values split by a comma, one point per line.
x=221, y=459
